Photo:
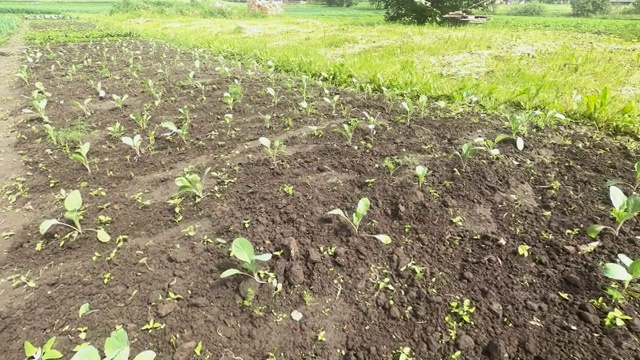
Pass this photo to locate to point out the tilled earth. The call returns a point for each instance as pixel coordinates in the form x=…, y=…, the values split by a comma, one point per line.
x=455, y=238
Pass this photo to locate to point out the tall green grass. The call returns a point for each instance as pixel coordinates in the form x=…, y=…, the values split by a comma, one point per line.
x=8, y=23
x=509, y=64
x=51, y=7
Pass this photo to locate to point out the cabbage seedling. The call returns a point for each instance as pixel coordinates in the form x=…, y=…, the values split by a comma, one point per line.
x=333, y=102
x=624, y=208
x=42, y=353
x=84, y=106
x=141, y=119
x=626, y=270
x=51, y=133
x=117, y=130
x=192, y=183
x=134, y=142
x=348, y=129
x=274, y=96
x=421, y=173
x=73, y=212
x=183, y=131
x=408, y=106
x=242, y=249
x=634, y=188
x=118, y=101
x=80, y=155
x=357, y=216
x=518, y=125
x=229, y=100
x=228, y=118
x=272, y=148
x=467, y=151
x=116, y=347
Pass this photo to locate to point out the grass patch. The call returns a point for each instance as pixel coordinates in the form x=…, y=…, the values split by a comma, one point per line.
x=8, y=23
x=555, y=64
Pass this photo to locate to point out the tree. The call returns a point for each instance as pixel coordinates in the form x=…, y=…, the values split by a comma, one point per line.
x=590, y=7
x=422, y=11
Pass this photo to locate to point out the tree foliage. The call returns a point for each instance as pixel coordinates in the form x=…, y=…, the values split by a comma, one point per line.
x=590, y=7
x=422, y=11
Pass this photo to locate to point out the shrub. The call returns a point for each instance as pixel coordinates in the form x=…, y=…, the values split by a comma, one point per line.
x=590, y=7
x=203, y=9
x=530, y=9
x=422, y=11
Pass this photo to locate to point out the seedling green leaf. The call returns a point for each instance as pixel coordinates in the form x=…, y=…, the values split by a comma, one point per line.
x=80, y=155
x=616, y=272
x=385, y=239
x=83, y=309
x=242, y=249
x=624, y=208
x=192, y=183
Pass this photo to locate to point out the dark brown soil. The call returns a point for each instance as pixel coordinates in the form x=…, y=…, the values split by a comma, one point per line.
x=500, y=203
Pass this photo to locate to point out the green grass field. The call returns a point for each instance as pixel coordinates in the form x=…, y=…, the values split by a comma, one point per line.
x=510, y=63
x=8, y=23
x=584, y=68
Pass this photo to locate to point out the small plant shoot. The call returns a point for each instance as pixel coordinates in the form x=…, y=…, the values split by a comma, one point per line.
x=80, y=155
x=465, y=155
x=73, y=212
x=134, y=142
x=116, y=347
x=272, y=148
x=626, y=270
x=624, y=208
x=192, y=184
x=356, y=218
x=242, y=250
x=42, y=353
x=421, y=172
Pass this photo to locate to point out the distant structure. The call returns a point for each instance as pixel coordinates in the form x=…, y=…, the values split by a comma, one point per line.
x=622, y=2
x=271, y=7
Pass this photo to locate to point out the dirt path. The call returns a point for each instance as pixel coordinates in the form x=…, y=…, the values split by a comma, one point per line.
x=10, y=165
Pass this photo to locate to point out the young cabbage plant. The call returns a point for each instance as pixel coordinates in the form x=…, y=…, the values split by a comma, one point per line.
x=116, y=347
x=73, y=212
x=118, y=101
x=134, y=142
x=357, y=216
x=84, y=106
x=333, y=102
x=272, y=148
x=242, y=249
x=423, y=101
x=634, y=187
x=624, y=208
x=142, y=120
x=421, y=172
x=116, y=130
x=228, y=99
x=228, y=119
x=518, y=126
x=490, y=145
x=80, y=155
x=192, y=184
x=42, y=353
x=274, y=96
x=348, y=129
x=410, y=108
x=51, y=133
x=626, y=270
x=465, y=155
x=183, y=131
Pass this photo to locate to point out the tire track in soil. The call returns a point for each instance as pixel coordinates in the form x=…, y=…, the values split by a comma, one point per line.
x=10, y=165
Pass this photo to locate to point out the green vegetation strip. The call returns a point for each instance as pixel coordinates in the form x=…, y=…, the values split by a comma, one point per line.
x=505, y=65
x=8, y=23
